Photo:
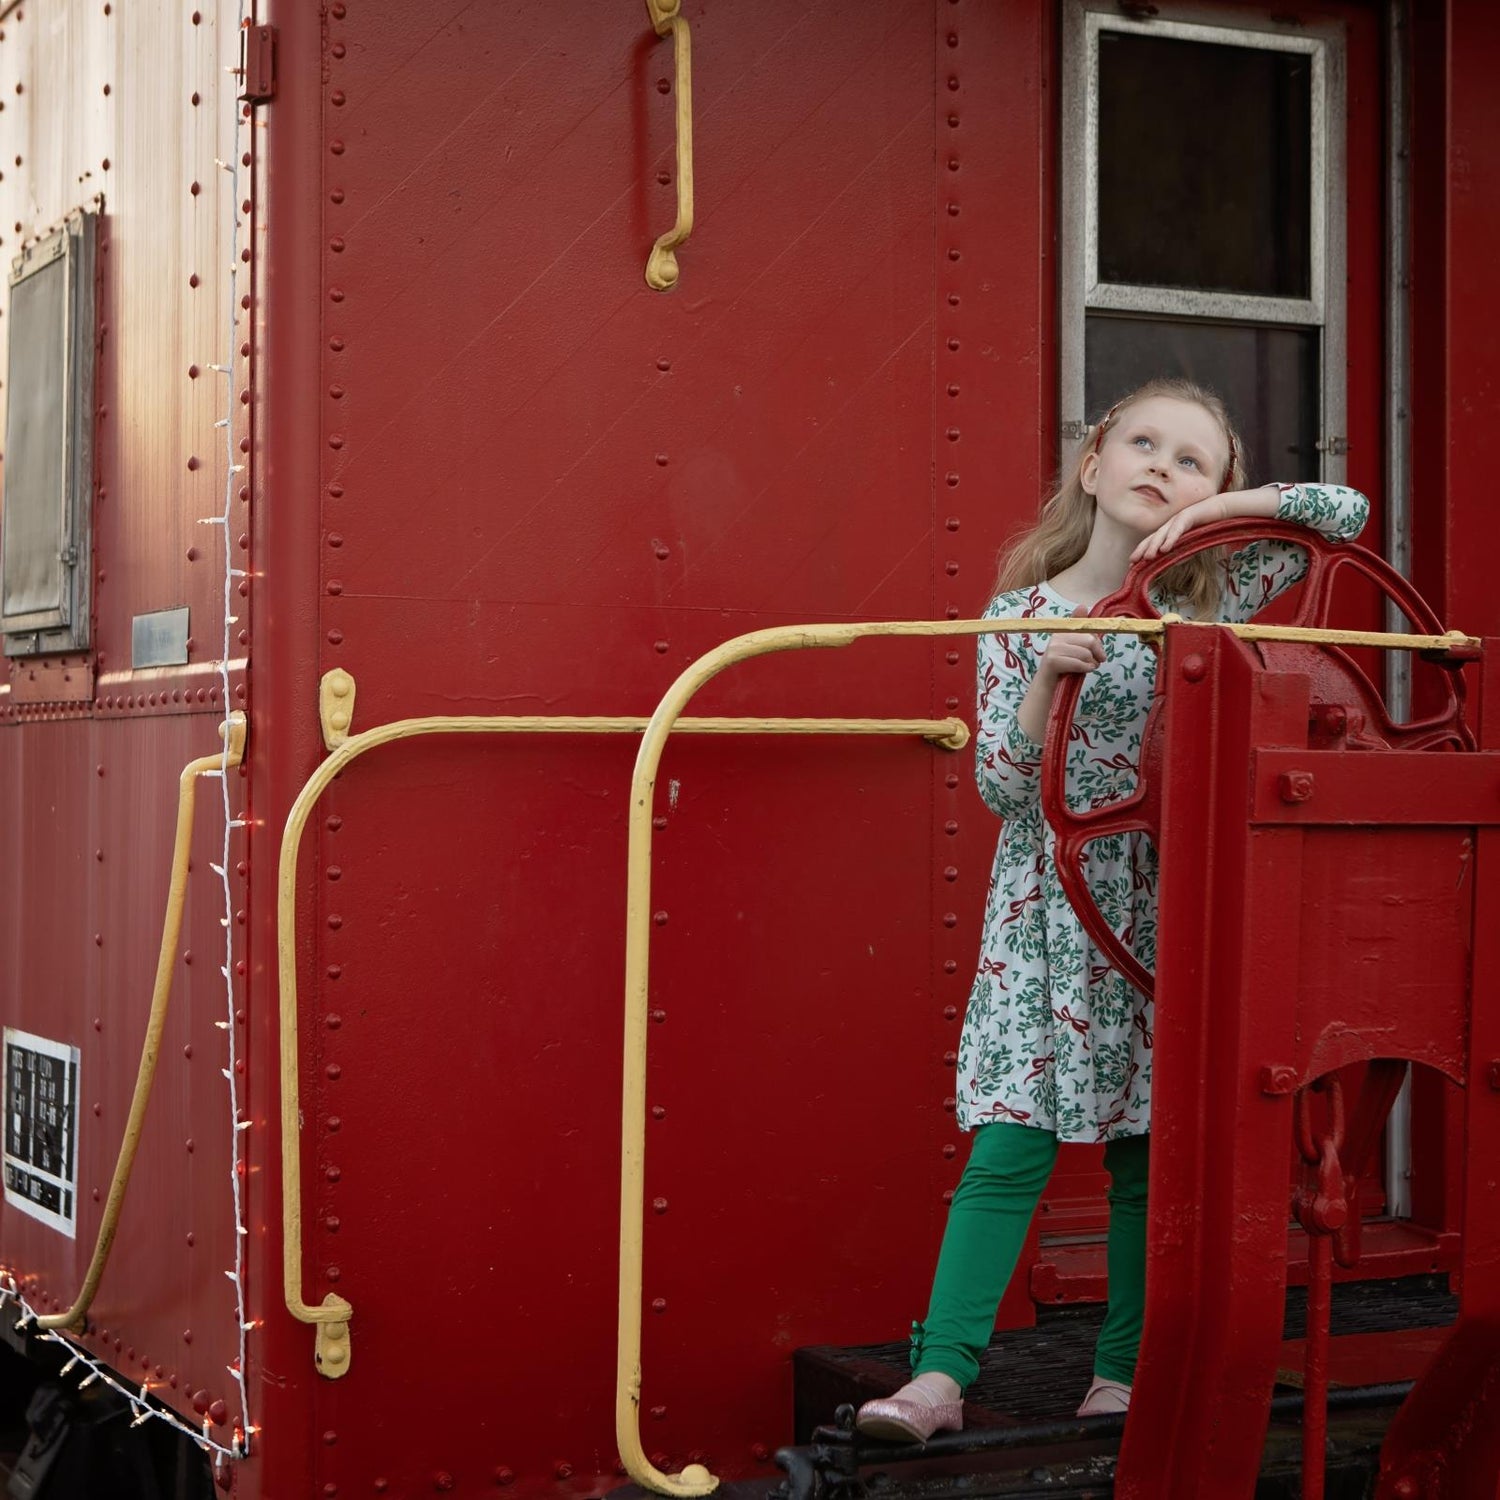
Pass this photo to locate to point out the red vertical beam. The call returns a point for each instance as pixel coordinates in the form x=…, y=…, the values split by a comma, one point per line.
x=994, y=417
x=284, y=745
x=1473, y=314
x=1445, y=1441
x=1447, y=1436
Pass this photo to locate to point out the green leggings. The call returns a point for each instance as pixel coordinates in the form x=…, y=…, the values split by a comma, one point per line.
x=987, y=1222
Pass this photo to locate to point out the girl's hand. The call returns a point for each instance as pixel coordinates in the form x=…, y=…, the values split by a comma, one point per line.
x=1072, y=653
x=1169, y=533
x=1226, y=507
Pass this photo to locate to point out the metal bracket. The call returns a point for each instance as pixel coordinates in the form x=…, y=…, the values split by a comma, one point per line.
x=258, y=64
x=335, y=707
x=332, y=1352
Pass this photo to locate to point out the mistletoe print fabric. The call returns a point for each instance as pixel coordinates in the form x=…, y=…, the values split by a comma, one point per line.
x=1053, y=1037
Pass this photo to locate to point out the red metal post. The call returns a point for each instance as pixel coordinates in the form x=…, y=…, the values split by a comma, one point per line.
x=1315, y=1370
x=1268, y=989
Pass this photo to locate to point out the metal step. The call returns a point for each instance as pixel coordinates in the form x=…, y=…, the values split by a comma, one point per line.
x=1020, y=1436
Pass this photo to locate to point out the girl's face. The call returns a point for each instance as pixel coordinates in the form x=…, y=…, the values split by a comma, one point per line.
x=1161, y=456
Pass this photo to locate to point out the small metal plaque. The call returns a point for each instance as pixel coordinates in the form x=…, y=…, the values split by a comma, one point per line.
x=160, y=639
x=41, y=1129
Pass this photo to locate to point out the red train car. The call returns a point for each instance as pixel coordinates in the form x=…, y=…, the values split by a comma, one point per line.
x=337, y=396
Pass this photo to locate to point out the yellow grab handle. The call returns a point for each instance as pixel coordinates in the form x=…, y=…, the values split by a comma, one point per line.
x=336, y=699
x=661, y=265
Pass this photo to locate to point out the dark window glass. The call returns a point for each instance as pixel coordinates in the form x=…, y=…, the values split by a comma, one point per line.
x=1204, y=166
x=1267, y=377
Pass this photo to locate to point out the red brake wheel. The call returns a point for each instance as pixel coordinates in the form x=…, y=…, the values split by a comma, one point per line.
x=1333, y=669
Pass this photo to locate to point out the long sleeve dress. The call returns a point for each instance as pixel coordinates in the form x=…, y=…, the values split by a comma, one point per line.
x=1053, y=1037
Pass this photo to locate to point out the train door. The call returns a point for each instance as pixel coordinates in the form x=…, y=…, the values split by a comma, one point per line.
x=1238, y=244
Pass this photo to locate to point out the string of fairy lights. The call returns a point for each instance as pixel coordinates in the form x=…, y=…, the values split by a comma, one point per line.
x=144, y=1407
x=233, y=469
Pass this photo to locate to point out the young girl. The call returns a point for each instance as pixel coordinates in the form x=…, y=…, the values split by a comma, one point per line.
x=1056, y=1045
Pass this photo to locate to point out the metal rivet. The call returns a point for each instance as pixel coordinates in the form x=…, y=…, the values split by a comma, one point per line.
x=1294, y=787
x=1278, y=1079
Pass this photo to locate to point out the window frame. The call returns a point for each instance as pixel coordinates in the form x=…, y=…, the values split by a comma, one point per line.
x=1082, y=292
x=65, y=627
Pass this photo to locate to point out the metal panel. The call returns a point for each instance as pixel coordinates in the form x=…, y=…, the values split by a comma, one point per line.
x=555, y=486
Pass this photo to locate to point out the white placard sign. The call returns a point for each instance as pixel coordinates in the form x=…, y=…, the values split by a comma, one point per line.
x=41, y=1129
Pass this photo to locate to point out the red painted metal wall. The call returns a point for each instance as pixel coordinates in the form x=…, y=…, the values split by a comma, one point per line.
x=545, y=488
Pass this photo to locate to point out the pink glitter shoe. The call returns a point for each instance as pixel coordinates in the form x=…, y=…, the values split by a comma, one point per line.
x=906, y=1418
x=1105, y=1396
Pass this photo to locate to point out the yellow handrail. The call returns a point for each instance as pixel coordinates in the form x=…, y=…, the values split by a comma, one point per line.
x=696, y=1479
x=662, y=270
x=230, y=756
x=336, y=696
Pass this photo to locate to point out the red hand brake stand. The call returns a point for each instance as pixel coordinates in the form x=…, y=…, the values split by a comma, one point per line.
x=1329, y=897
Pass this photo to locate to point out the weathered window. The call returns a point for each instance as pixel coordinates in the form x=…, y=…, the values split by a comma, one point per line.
x=45, y=520
x=1202, y=225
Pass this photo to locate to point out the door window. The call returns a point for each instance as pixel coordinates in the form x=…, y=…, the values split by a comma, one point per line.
x=1201, y=229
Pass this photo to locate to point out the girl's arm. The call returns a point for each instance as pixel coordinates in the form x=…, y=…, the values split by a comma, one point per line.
x=1256, y=574
x=1016, y=688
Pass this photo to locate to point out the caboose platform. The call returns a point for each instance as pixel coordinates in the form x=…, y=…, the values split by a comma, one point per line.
x=1021, y=1438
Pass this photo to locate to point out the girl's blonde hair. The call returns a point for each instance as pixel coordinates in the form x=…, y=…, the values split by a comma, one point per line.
x=1061, y=535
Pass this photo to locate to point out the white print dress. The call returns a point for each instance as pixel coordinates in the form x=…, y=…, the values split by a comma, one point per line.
x=1054, y=1037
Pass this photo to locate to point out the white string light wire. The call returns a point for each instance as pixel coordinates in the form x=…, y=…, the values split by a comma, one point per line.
x=232, y=470
x=143, y=1407
x=237, y=1126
